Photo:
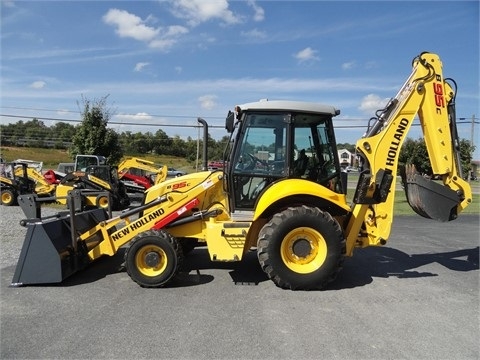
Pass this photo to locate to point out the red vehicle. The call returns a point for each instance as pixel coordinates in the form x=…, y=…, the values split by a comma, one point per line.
x=139, y=175
x=214, y=165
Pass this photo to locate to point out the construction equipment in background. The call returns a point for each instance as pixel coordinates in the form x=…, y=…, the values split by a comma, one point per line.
x=17, y=178
x=299, y=223
x=93, y=178
x=55, y=176
x=42, y=186
x=139, y=175
x=37, y=165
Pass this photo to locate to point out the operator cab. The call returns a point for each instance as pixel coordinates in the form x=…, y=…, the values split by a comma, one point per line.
x=277, y=140
x=84, y=161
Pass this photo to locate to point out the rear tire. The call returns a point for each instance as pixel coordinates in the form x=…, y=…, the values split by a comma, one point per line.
x=301, y=248
x=8, y=197
x=153, y=258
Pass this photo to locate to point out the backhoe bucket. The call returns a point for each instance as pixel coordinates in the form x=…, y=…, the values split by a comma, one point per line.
x=50, y=252
x=429, y=198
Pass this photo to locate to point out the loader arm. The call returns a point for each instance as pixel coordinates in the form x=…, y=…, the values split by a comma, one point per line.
x=162, y=211
x=428, y=95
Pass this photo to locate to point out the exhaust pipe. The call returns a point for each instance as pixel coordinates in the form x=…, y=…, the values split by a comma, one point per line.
x=205, y=146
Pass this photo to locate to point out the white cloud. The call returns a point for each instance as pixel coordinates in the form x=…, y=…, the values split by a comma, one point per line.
x=371, y=103
x=8, y=3
x=63, y=112
x=141, y=116
x=254, y=34
x=139, y=66
x=38, y=84
x=307, y=54
x=259, y=13
x=349, y=65
x=178, y=69
x=175, y=30
x=207, y=101
x=198, y=11
x=169, y=38
x=131, y=26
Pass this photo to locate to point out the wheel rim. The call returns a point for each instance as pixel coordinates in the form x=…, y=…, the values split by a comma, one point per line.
x=102, y=202
x=303, y=250
x=6, y=198
x=151, y=260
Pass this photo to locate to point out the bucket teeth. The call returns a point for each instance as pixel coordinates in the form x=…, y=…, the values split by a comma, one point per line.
x=429, y=198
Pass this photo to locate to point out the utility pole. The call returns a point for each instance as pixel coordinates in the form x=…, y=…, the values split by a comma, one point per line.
x=473, y=170
x=473, y=130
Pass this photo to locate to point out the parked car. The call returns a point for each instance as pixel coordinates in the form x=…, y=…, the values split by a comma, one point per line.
x=172, y=172
x=214, y=165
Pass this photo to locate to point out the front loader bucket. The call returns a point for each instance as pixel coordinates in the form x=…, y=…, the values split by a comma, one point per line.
x=429, y=198
x=49, y=255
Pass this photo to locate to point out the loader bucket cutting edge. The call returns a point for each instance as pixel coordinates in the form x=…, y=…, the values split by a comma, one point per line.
x=47, y=254
x=428, y=198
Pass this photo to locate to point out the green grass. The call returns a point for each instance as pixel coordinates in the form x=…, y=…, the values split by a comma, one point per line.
x=51, y=158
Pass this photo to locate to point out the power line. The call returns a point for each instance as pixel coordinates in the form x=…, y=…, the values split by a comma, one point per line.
x=79, y=112
x=109, y=122
x=194, y=126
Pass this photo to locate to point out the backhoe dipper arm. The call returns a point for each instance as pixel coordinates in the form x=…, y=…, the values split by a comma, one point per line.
x=428, y=95
x=142, y=164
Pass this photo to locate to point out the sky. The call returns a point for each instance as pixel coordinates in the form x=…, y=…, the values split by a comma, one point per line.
x=162, y=64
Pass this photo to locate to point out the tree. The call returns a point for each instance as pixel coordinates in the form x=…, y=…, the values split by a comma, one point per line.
x=63, y=131
x=347, y=146
x=466, y=155
x=415, y=152
x=162, y=143
x=92, y=137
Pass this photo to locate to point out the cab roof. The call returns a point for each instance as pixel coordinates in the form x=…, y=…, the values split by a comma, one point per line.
x=301, y=106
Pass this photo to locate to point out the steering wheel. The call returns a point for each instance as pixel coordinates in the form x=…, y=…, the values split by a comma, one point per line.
x=320, y=172
x=251, y=162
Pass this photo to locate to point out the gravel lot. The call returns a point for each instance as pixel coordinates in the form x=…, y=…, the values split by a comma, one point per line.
x=416, y=298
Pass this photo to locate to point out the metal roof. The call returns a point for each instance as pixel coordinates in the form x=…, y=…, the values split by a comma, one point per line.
x=291, y=106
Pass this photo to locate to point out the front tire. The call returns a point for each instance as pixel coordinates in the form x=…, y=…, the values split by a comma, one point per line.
x=8, y=197
x=153, y=258
x=301, y=248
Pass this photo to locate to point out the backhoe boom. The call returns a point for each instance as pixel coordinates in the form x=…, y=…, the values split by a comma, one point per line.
x=426, y=94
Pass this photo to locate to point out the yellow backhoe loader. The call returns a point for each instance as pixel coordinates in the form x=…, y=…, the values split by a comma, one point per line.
x=298, y=219
x=18, y=178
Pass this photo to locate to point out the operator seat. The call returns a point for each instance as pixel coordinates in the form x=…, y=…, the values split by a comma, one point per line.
x=301, y=164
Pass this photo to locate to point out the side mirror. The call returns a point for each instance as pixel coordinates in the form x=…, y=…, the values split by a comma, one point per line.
x=229, y=122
